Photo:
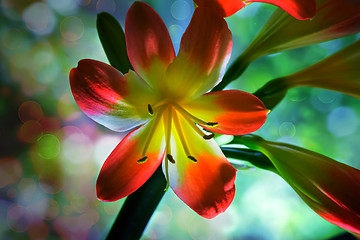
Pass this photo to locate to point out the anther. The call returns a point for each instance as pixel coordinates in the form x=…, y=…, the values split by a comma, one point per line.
x=142, y=160
x=150, y=110
x=208, y=137
x=170, y=158
x=212, y=124
x=192, y=158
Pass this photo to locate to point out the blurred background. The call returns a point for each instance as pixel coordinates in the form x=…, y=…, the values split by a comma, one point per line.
x=51, y=153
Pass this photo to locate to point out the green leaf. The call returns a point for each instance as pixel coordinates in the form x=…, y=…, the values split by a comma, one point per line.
x=112, y=38
x=138, y=208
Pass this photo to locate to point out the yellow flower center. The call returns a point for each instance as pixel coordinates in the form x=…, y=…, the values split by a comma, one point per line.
x=169, y=112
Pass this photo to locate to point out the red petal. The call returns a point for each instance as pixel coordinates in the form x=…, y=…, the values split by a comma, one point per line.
x=224, y=8
x=205, y=50
x=236, y=112
x=100, y=91
x=300, y=9
x=121, y=174
x=206, y=186
x=147, y=39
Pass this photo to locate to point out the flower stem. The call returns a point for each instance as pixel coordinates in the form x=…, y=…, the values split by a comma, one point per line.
x=138, y=208
x=256, y=158
x=273, y=92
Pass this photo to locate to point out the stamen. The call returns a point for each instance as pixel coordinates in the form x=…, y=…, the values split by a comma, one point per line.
x=198, y=130
x=167, y=124
x=208, y=137
x=182, y=137
x=166, y=175
x=155, y=123
x=168, y=131
x=159, y=104
x=212, y=124
x=195, y=119
x=142, y=160
x=192, y=158
x=170, y=158
x=150, y=110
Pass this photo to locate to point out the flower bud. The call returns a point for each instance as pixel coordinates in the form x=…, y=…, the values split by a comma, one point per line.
x=329, y=187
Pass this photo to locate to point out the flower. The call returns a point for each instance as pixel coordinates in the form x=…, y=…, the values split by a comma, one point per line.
x=161, y=103
x=300, y=9
x=329, y=187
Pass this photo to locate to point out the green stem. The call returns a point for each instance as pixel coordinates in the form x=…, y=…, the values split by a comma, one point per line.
x=138, y=208
x=272, y=93
x=256, y=158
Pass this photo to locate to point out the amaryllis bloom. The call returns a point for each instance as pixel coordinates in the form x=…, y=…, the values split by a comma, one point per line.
x=329, y=187
x=163, y=103
x=300, y=9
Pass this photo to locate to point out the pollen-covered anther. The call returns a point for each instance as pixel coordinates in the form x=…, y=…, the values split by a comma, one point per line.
x=208, y=137
x=170, y=158
x=150, y=110
x=142, y=160
x=212, y=124
x=192, y=158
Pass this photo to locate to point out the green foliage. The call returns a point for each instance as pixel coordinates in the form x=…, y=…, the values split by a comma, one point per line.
x=112, y=38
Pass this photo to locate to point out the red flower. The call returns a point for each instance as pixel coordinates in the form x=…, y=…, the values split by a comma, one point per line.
x=163, y=100
x=300, y=9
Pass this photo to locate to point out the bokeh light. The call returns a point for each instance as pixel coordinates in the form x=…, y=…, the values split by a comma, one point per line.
x=10, y=171
x=39, y=18
x=48, y=146
x=72, y=28
x=342, y=121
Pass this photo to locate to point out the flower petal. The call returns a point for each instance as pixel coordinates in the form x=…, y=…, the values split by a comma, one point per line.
x=148, y=42
x=206, y=186
x=300, y=9
x=121, y=174
x=108, y=97
x=224, y=8
x=236, y=112
x=205, y=50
